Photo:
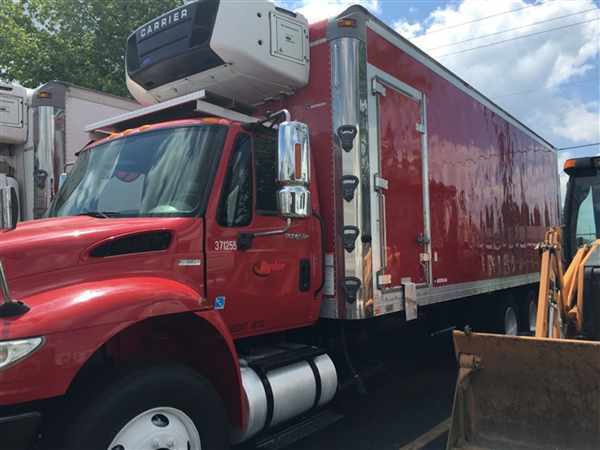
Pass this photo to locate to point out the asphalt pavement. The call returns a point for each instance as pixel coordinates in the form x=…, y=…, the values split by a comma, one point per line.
x=408, y=401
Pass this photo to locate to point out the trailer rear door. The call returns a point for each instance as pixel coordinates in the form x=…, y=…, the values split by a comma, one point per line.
x=405, y=242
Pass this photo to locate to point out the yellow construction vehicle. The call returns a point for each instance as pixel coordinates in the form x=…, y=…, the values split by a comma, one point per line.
x=542, y=391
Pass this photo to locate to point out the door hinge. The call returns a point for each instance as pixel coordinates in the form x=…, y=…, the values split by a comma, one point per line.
x=380, y=183
x=378, y=88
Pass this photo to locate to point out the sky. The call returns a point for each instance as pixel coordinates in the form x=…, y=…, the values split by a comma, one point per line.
x=549, y=80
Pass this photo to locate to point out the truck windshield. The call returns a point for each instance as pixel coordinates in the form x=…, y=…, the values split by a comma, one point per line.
x=164, y=172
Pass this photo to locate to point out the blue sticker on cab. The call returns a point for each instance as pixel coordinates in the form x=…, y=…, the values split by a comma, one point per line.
x=220, y=302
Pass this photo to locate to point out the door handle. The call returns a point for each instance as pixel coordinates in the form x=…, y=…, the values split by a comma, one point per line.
x=304, y=278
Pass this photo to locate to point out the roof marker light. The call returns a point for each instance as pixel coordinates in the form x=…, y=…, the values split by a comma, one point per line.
x=569, y=164
x=346, y=23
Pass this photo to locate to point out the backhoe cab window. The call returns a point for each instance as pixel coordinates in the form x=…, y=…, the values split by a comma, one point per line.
x=587, y=196
x=582, y=212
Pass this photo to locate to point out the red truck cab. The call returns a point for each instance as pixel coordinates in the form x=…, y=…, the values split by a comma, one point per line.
x=173, y=225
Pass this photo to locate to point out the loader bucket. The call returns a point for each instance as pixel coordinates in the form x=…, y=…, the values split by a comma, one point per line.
x=525, y=393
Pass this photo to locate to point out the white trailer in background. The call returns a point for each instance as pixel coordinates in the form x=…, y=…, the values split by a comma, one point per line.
x=41, y=130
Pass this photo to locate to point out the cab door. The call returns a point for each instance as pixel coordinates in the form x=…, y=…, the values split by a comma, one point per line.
x=271, y=284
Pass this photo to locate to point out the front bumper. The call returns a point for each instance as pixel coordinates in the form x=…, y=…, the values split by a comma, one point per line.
x=19, y=432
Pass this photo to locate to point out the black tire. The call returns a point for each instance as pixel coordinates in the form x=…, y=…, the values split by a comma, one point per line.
x=508, y=320
x=529, y=314
x=138, y=390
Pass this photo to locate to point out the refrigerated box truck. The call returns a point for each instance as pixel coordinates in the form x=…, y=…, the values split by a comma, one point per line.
x=283, y=181
x=40, y=132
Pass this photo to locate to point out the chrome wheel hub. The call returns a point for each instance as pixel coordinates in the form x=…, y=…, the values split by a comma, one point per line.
x=158, y=429
x=510, y=322
x=532, y=315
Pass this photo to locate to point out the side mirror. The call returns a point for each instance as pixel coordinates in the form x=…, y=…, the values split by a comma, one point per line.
x=61, y=179
x=293, y=174
x=9, y=208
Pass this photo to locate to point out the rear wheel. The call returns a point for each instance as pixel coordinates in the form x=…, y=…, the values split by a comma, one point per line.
x=510, y=322
x=166, y=407
x=532, y=315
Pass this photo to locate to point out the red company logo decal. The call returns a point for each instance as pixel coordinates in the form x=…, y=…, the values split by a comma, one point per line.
x=265, y=268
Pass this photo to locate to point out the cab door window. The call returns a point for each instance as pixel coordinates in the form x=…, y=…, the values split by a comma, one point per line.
x=235, y=208
x=265, y=155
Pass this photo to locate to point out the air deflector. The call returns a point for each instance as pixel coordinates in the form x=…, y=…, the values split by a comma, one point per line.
x=135, y=243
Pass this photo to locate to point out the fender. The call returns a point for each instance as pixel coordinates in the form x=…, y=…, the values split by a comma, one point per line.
x=103, y=302
x=229, y=382
x=77, y=320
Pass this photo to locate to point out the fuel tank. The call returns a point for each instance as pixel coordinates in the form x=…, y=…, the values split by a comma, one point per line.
x=280, y=386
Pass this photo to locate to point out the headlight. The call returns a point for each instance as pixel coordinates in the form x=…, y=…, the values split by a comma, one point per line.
x=13, y=351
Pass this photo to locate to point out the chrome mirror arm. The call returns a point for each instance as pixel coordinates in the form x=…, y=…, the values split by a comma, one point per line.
x=244, y=241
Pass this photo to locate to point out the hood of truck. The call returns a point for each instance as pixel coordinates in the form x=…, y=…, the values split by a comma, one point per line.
x=50, y=254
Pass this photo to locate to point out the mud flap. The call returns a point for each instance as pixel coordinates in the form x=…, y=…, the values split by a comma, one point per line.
x=525, y=393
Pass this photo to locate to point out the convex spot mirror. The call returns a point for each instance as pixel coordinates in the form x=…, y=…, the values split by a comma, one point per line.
x=61, y=179
x=9, y=208
x=293, y=173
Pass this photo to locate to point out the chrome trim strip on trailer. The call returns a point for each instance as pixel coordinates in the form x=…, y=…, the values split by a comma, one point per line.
x=393, y=299
x=349, y=93
x=202, y=106
x=429, y=296
x=378, y=27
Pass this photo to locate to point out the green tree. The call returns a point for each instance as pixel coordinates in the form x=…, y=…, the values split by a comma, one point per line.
x=78, y=41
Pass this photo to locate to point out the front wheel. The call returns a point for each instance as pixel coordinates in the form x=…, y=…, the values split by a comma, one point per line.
x=158, y=428
x=169, y=408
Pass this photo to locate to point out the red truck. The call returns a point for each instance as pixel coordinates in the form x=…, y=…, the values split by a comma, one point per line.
x=192, y=282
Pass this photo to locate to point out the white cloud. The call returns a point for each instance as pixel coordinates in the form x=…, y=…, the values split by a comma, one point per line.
x=581, y=122
x=408, y=30
x=315, y=10
x=539, y=66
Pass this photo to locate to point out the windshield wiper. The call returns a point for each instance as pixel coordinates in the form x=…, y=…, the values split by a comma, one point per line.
x=100, y=214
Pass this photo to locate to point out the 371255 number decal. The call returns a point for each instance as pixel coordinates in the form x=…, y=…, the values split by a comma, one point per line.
x=225, y=246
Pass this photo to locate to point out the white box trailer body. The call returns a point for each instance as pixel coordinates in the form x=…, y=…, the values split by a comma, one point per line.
x=41, y=131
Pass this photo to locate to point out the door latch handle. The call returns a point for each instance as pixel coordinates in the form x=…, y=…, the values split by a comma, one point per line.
x=422, y=239
x=349, y=185
x=349, y=235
